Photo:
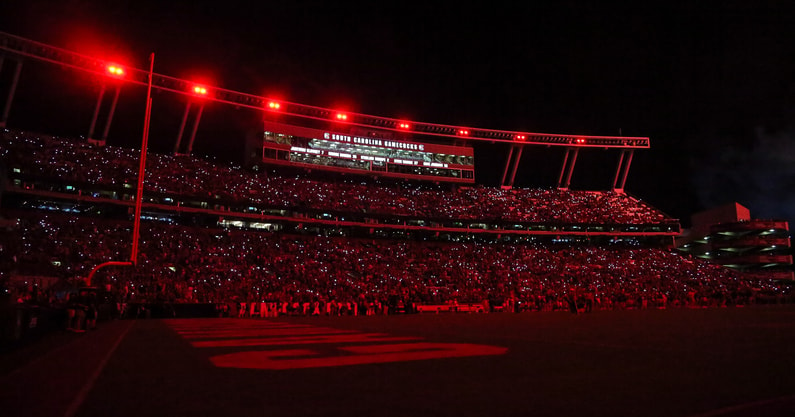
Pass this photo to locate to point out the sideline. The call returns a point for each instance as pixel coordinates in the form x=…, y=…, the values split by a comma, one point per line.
x=749, y=407
x=89, y=385
x=40, y=358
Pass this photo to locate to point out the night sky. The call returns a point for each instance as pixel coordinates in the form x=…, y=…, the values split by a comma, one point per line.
x=713, y=87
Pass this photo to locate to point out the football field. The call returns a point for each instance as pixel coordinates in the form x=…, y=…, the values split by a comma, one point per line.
x=681, y=362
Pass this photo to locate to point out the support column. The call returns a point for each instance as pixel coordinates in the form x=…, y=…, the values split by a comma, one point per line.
x=96, y=114
x=563, y=168
x=618, y=168
x=507, y=165
x=516, y=165
x=512, y=165
x=182, y=127
x=195, y=128
x=569, y=160
x=110, y=114
x=11, y=92
x=625, y=172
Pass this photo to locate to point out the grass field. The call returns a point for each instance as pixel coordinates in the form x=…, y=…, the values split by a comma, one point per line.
x=680, y=362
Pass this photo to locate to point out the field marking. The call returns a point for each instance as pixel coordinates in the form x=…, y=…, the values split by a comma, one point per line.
x=361, y=355
x=302, y=340
x=89, y=385
x=240, y=333
x=746, y=406
x=266, y=332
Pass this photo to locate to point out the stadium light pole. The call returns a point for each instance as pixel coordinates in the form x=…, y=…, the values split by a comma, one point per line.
x=114, y=73
x=200, y=92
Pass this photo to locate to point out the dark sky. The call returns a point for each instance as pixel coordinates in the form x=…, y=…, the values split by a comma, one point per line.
x=713, y=87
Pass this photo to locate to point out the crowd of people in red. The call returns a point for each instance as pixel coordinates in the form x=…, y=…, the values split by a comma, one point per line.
x=40, y=156
x=180, y=264
x=308, y=274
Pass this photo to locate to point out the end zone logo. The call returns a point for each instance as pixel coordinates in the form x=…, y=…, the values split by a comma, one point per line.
x=330, y=347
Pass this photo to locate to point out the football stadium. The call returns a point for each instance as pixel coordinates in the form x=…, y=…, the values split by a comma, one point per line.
x=350, y=264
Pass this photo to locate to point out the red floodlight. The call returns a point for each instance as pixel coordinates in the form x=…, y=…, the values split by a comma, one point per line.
x=115, y=70
x=463, y=132
x=199, y=90
x=404, y=125
x=580, y=141
x=272, y=105
x=342, y=117
x=520, y=138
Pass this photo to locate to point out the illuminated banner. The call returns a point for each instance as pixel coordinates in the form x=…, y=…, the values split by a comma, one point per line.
x=346, y=155
x=373, y=142
x=378, y=153
x=310, y=133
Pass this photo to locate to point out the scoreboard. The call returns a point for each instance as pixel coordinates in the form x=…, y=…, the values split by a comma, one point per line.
x=381, y=153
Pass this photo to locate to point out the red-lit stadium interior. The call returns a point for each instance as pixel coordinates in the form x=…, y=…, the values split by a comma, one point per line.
x=337, y=218
x=285, y=235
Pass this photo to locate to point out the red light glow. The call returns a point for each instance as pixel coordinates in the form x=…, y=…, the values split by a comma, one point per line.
x=115, y=70
x=404, y=125
x=580, y=141
x=520, y=138
x=463, y=132
x=200, y=90
x=342, y=116
x=274, y=105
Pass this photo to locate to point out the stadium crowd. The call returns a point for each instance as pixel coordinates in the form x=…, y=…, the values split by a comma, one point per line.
x=185, y=177
x=342, y=275
x=310, y=274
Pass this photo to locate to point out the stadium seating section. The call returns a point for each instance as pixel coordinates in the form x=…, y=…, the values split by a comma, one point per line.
x=182, y=263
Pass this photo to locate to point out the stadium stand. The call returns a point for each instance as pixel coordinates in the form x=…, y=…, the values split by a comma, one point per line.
x=190, y=259
x=34, y=159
